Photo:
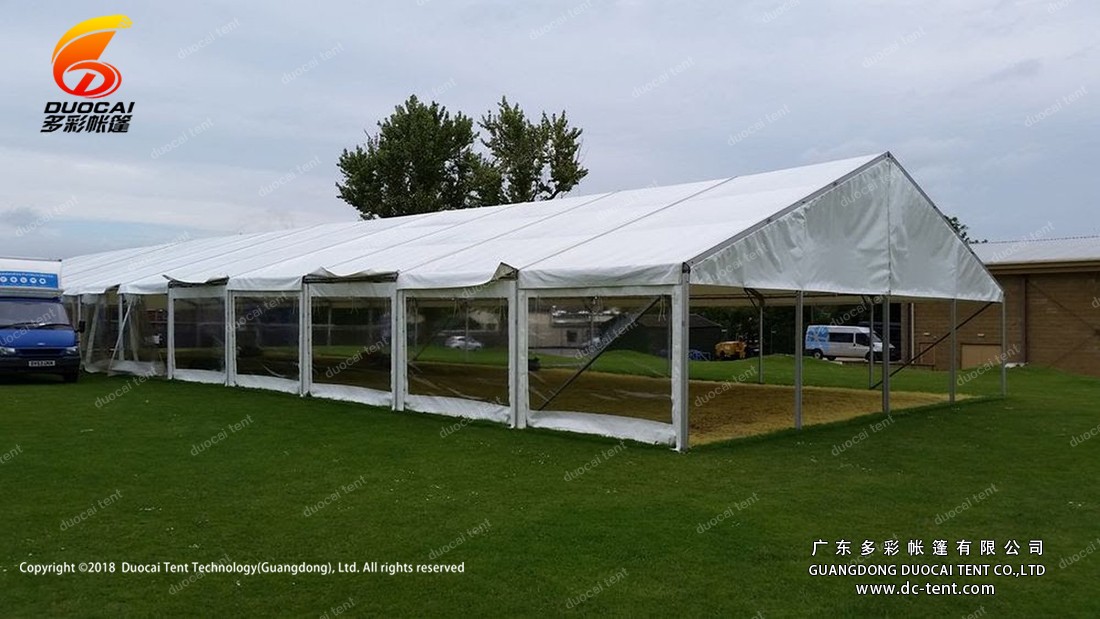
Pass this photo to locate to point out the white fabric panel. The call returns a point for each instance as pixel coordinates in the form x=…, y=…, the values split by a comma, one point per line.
x=974, y=281
x=491, y=290
x=702, y=221
x=927, y=258
x=349, y=393
x=271, y=383
x=197, y=292
x=641, y=430
x=918, y=230
x=209, y=377
x=458, y=407
x=836, y=242
x=351, y=289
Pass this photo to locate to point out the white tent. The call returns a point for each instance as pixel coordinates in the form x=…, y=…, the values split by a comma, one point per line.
x=843, y=229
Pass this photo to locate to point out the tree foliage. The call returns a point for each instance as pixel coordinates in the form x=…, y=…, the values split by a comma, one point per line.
x=423, y=159
x=534, y=161
x=961, y=229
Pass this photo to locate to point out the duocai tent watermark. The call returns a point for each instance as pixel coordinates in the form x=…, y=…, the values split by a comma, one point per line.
x=10, y=454
x=132, y=383
x=600, y=458
x=1084, y=436
x=259, y=310
x=477, y=530
x=335, y=496
x=862, y=435
x=353, y=360
x=221, y=436
x=995, y=362
x=970, y=501
x=725, y=386
x=728, y=513
x=197, y=575
x=338, y=609
x=595, y=590
x=92, y=510
x=1092, y=547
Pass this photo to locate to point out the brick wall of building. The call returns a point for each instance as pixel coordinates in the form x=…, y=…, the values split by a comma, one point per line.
x=1053, y=320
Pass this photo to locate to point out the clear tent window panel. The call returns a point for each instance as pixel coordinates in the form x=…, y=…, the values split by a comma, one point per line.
x=607, y=355
x=200, y=334
x=352, y=341
x=266, y=329
x=145, y=332
x=458, y=348
x=102, y=331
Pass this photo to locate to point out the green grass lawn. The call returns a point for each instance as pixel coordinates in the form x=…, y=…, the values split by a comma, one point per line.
x=626, y=530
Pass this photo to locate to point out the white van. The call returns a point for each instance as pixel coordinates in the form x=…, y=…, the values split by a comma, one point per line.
x=832, y=341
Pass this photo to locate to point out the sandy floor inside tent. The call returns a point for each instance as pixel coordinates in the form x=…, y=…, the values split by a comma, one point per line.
x=718, y=410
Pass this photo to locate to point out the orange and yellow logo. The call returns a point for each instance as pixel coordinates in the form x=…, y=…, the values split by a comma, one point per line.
x=77, y=56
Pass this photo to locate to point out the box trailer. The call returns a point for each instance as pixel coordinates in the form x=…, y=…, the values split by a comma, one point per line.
x=36, y=335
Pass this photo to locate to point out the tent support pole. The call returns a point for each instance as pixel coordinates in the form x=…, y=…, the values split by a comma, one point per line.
x=871, y=342
x=305, y=339
x=954, y=351
x=399, y=349
x=760, y=346
x=1004, y=348
x=230, y=339
x=681, y=307
x=798, y=345
x=885, y=354
x=171, y=335
x=521, y=404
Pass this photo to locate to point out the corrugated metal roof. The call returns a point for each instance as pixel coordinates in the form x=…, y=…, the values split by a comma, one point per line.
x=1072, y=249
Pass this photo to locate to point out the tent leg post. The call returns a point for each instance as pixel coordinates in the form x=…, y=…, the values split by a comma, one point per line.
x=798, y=345
x=399, y=345
x=305, y=339
x=681, y=304
x=1004, y=349
x=517, y=355
x=171, y=336
x=230, y=339
x=523, y=343
x=760, y=346
x=886, y=355
x=871, y=353
x=954, y=351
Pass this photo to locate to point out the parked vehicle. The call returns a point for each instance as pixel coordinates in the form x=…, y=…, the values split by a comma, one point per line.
x=832, y=341
x=731, y=349
x=36, y=335
x=462, y=342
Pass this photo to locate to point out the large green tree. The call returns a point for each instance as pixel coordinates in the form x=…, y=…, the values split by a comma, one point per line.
x=534, y=161
x=423, y=159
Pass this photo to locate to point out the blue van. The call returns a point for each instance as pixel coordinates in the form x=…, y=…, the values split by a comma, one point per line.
x=36, y=335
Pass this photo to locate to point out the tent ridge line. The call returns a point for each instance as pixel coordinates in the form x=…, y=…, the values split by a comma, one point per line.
x=786, y=211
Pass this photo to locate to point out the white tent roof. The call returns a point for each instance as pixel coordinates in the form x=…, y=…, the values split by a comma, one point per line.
x=856, y=226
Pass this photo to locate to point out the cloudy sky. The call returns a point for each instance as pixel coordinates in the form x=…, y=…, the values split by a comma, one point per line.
x=242, y=108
